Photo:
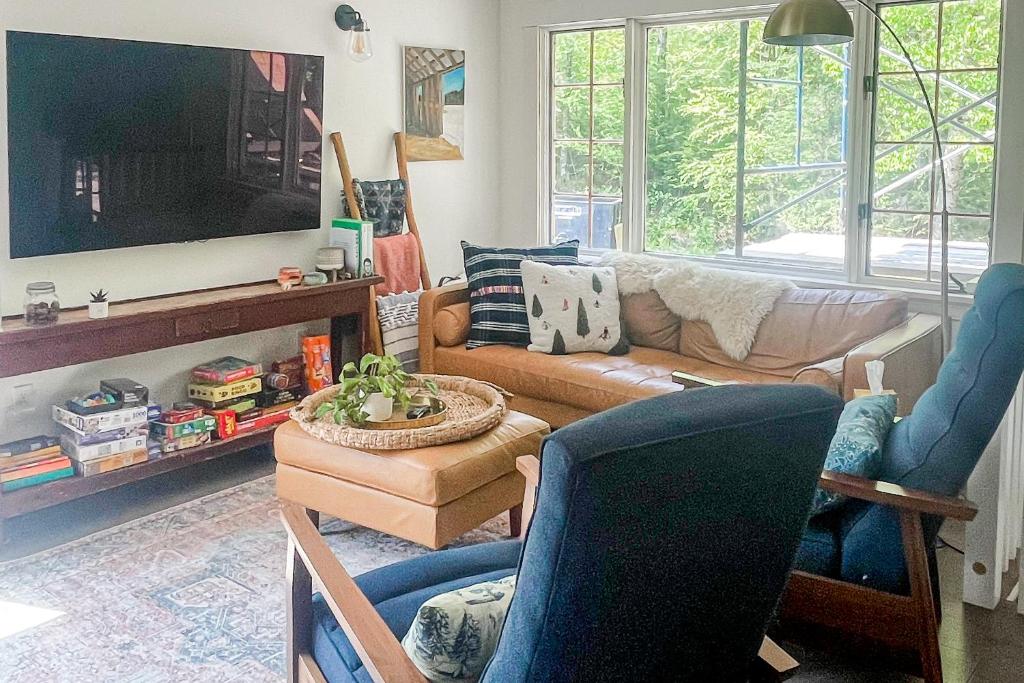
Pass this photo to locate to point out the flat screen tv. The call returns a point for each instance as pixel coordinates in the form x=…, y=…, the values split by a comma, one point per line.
x=116, y=143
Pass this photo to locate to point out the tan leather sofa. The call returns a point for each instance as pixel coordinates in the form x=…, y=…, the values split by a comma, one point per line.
x=815, y=336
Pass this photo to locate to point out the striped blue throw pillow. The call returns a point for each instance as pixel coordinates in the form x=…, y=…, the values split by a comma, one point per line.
x=497, y=307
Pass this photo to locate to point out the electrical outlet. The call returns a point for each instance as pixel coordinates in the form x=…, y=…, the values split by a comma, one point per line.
x=23, y=399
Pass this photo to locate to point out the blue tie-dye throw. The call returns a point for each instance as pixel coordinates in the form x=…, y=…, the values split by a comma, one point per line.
x=856, y=448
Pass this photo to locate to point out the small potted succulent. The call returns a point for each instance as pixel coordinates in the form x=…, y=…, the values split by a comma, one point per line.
x=369, y=390
x=98, y=304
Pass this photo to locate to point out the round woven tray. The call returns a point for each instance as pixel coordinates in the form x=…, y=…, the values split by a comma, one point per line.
x=473, y=408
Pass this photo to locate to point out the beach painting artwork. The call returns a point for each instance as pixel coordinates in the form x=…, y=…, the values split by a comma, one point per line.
x=435, y=102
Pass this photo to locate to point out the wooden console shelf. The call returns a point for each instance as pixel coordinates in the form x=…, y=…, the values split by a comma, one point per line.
x=34, y=498
x=163, y=322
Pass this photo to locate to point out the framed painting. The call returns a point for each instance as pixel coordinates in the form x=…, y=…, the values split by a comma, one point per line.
x=435, y=102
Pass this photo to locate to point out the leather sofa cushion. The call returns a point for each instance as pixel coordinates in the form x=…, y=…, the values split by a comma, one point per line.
x=451, y=325
x=433, y=476
x=649, y=322
x=589, y=381
x=807, y=326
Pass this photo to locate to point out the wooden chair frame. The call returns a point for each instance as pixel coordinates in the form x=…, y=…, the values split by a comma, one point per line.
x=907, y=622
x=311, y=563
x=401, y=153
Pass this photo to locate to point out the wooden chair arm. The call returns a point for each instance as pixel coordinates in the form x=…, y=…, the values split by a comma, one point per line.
x=529, y=467
x=896, y=496
x=373, y=641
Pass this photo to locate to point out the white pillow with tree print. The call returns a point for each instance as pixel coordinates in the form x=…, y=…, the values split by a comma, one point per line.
x=572, y=309
x=455, y=634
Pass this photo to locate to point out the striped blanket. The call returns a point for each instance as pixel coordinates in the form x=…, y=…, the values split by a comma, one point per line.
x=399, y=316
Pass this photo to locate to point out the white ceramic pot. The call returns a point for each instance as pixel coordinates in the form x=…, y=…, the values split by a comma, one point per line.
x=98, y=309
x=378, y=407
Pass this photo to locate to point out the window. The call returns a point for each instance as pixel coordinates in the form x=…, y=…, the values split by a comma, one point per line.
x=955, y=45
x=815, y=159
x=587, y=129
x=275, y=147
x=746, y=145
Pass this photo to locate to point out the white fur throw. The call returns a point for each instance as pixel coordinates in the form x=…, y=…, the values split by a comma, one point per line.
x=733, y=303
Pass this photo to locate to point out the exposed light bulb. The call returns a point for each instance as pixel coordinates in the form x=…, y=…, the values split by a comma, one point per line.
x=360, y=47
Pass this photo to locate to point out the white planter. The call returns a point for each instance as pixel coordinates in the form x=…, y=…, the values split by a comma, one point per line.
x=98, y=309
x=378, y=407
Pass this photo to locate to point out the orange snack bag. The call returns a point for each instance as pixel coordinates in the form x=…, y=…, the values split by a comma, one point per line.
x=317, y=353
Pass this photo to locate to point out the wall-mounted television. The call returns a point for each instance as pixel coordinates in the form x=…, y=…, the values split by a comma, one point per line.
x=117, y=143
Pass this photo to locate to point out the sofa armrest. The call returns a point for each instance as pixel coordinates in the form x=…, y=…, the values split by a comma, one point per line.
x=431, y=302
x=912, y=352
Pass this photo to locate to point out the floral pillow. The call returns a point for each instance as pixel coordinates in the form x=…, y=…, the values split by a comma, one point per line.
x=856, y=448
x=455, y=634
x=572, y=309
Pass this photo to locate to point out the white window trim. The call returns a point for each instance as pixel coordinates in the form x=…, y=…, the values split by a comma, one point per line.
x=854, y=272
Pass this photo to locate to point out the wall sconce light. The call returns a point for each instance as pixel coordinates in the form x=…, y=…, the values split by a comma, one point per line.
x=359, y=46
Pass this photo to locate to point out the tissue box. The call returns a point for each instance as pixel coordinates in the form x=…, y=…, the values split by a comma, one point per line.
x=861, y=393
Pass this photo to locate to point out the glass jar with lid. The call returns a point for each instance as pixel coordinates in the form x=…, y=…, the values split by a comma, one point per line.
x=42, y=305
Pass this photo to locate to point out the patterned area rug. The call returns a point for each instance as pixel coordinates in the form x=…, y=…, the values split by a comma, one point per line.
x=193, y=593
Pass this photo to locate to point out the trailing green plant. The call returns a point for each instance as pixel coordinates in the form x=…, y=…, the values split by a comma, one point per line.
x=374, y=374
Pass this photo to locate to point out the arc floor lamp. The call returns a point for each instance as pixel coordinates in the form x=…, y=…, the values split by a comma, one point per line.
x=802, y=23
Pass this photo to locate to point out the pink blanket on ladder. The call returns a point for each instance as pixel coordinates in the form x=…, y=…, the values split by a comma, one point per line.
x=397, y=259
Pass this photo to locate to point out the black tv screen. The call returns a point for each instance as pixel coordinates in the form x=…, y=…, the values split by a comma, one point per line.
x=116, y=143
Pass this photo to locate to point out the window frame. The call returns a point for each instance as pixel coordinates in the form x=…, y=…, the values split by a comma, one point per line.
x=859, y=150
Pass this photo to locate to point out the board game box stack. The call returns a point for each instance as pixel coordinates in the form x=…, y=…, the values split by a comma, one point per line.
x=28, y=462
x=107, y=430
x=237, y=397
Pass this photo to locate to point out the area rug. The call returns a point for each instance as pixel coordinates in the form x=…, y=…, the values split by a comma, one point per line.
x=192, y=593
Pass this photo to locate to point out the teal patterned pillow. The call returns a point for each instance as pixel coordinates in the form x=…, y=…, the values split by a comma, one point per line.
x=454, y=634
x=857, y=446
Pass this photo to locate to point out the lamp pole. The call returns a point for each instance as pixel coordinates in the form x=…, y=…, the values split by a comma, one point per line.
x=828, y=22
x=944, y=187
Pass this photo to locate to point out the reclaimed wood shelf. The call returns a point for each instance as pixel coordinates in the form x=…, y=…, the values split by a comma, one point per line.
x=33, y=498
x=166, y=321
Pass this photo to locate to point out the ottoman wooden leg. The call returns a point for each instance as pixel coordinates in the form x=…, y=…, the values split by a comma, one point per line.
x=515, y=521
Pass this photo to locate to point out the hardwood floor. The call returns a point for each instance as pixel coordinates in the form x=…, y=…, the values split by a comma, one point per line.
x=978, y=646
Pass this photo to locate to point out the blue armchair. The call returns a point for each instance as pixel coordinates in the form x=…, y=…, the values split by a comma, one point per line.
x=869, y=567
x=663, y=535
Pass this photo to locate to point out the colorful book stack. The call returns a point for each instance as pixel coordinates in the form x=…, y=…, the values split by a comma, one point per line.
x=28, y=462
x=107, y=441
x=185, y=425
x=233, y=393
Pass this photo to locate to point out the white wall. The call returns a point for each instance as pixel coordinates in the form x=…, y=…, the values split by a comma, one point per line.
x=454, y=200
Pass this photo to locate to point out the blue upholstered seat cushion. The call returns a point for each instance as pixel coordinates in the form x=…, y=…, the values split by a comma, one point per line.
x=398, y=591
x=856, y=449
x=819, y=550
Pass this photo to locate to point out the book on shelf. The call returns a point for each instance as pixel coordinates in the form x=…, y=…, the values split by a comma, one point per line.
x=32, y=469
x=30, y=457
x=110, y=463
x=102, y=450
x=226, y=370
x=23, y=446
x=101, y=422
x=216, y=393
x=356, y=237
x=166, y=430
x=37, y=479
x=71, y=435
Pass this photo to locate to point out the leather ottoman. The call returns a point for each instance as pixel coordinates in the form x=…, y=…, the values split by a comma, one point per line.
x=425, y=495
